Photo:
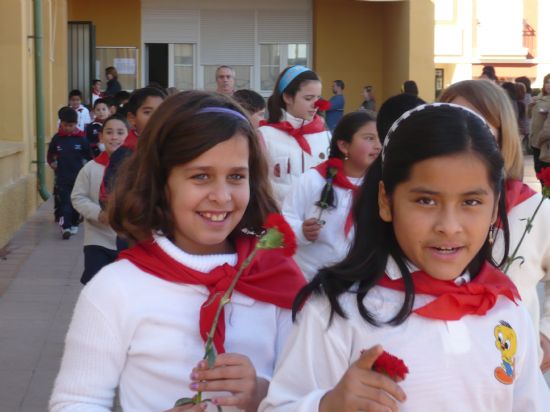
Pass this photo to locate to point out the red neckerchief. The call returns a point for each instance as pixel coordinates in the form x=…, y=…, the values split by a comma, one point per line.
x=131, y=140
x=75, y=133
x=271, y=277
x=315, y=126
x=516, y=193
x=452, y=301
x=102, y=159
x=339, y=180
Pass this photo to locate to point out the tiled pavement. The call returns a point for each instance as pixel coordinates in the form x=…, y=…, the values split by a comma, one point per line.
x=39, y=285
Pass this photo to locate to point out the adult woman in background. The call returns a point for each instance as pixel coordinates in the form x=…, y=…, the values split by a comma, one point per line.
x=538, y=111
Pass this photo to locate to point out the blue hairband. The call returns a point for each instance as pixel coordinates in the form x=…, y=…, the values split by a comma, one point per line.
x=222, y=110
x=290, y=75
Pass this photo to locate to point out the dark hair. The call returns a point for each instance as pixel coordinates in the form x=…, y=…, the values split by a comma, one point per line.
x=121, y=96
x=175, y=135
x=101, y=100
x=95, y=81
x=116, y=116
x=276, y=104
x=525, y=80
x=431, y=132
x=138, y=97
x=368, y=88
x=340, y=84
x=490, y=72
x=348, y=125
x=410, y=87
x=68, y=115
x=392, y=109
x=112, y=71
x=250, y=100
x=75, y=92
x=510, y=90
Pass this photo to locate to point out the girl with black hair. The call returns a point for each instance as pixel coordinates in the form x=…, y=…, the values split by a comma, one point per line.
x=318, y=207
x=295, y=137
x=420, y=283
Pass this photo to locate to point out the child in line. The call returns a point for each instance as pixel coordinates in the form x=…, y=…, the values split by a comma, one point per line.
x=96, y=91
x=75, y=102
x=99, y=239
x=491, y=102
x=101, y=113
x=197, y=179
x=318, y=207
x=68, y=151
x=253, y=103
x=420, y=283
x=142, y=104
x=295, y=136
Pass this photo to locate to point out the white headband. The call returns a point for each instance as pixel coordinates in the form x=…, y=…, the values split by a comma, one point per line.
x=405, y=115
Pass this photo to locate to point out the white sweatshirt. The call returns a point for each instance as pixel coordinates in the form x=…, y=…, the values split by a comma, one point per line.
x=452, y=364
x=286, y=159
x=137, y=331
x=85, y=199
x=535, y=250
x=332, y=244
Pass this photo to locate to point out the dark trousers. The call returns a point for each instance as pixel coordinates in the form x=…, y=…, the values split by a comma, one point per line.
x=95, y=257
x=67, y=212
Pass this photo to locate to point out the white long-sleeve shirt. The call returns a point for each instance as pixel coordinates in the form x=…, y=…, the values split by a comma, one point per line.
x=451, y=364
x=141, y=333
x=535, y=249
x=286, y=159
x=332, y=244
x=85, y=199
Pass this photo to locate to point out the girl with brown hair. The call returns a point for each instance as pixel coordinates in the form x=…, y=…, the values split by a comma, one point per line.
x=195, y=181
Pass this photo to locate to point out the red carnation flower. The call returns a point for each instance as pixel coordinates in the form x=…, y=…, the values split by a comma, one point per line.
x=285, y=239
x=335, y=162
x=322, y=105
x=391, y=366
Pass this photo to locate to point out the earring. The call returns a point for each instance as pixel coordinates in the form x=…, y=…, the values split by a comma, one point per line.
x=492, y=234
x=346, y=157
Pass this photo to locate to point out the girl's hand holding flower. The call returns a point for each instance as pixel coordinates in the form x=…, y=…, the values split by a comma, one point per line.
x=232, y=373
x=363, y=389
x=311, y=229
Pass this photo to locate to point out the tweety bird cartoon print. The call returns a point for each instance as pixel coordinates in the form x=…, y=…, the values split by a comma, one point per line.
x=506, y=343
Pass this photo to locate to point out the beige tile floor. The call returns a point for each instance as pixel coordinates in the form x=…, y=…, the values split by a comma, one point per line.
x=39, y=284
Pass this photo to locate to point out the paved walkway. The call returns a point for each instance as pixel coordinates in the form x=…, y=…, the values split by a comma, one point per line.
x=39, y=285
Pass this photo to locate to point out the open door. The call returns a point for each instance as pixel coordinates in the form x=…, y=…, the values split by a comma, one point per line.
x=81, y=50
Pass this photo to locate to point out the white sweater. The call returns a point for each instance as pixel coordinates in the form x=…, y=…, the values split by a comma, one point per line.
x=286, y=159
x=332, y=244
x=134, y=330
x=85, y=199
x=535, y=249
x=451, y=363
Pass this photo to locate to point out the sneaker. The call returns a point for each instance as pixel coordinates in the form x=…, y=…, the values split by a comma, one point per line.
x=74, y=230
x=66, y=234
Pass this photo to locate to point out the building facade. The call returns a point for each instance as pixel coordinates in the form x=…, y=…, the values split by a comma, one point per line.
x=179, y=43
x=18, y=133
x=510, y=35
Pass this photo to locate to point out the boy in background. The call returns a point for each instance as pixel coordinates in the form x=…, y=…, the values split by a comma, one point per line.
x=96, y=90
x=101, y=113
x=68, y=151
x=253, y=103
x=75, y=102
x=141, y=105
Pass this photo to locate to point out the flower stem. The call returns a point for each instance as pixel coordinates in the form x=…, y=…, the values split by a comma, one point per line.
x=527, y=229
x=226, y=298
